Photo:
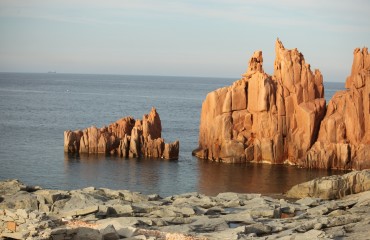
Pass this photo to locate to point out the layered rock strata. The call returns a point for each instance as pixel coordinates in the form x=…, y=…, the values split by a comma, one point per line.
x=333, y=187
x=264, y=118
x=100, y=213
x=344, y=137
x=126, y=137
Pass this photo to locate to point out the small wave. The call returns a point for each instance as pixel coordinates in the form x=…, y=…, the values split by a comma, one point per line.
x=22, y=90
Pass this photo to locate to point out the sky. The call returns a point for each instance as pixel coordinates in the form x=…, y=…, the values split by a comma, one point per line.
x=212, y=38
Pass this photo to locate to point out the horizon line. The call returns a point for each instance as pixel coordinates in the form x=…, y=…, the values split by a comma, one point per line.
x=144, y=75
x=119, y=74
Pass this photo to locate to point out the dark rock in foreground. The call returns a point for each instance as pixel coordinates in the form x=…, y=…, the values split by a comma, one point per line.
x=90, y=213
x=127, y=138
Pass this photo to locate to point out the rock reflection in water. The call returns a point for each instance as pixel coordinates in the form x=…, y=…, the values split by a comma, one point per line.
x=253, y=178
x=175, y=177
x=143, y=175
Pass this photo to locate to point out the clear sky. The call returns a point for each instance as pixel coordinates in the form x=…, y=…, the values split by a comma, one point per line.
x=178, y=37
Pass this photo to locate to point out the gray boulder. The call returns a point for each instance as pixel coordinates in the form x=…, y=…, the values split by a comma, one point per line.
x=87, y=234
x=333, y=187
x=20, y=200
x=205, y=224
x=109, y=233
x=258, y=228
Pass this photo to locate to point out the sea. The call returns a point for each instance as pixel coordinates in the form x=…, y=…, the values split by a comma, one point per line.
x=35, y=109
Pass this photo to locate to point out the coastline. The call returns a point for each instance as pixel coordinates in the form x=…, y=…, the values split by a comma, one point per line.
x=100, y=213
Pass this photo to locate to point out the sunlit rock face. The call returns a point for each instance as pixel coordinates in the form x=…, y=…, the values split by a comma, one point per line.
x=344, y=137
x=264, y=118
x=126, y=137
x=283, y=118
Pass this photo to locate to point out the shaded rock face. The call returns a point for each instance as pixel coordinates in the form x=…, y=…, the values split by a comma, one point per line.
x=126, y=137
x=264, y=118
x=344, y=137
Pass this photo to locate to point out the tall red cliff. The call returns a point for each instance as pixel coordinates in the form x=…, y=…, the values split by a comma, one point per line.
x=264, y=118
x=344, y=137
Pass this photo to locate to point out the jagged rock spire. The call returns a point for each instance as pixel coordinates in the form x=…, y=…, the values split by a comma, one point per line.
x=275, y=118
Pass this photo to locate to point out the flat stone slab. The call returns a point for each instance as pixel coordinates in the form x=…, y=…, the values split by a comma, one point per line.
x=116, y=214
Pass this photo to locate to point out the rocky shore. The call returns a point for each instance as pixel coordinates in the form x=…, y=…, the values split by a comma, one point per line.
x=34, y=213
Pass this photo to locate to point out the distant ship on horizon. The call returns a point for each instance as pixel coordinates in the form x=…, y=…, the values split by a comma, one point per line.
x=52, y=71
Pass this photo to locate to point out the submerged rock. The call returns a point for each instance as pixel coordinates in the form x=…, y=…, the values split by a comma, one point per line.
x=126, y=137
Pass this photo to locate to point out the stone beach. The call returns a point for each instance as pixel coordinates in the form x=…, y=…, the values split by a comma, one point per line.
x=28, y=212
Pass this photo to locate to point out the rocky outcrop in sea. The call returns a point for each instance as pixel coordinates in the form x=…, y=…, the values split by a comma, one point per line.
x=264, y=118
x=126, y=137
x=344, y=136
x=28, y=212
x=280, y=118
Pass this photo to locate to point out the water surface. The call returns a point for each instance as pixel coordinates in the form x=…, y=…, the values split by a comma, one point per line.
x=35, y=109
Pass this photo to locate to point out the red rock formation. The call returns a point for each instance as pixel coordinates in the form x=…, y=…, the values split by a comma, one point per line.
x=344, y=137
x=264, y=118
x=126, y=137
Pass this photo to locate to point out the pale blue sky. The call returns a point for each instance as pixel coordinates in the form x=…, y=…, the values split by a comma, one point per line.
x=183, y=38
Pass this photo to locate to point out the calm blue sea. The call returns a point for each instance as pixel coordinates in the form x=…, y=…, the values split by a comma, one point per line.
x=35, y=109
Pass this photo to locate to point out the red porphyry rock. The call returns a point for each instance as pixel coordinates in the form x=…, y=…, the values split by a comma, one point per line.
x=263, y=118
x=344, y=137
x=126, y=137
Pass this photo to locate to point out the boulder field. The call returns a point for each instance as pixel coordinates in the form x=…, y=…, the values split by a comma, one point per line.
x=283, y=118
x=28, y=212
x=126, y=137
